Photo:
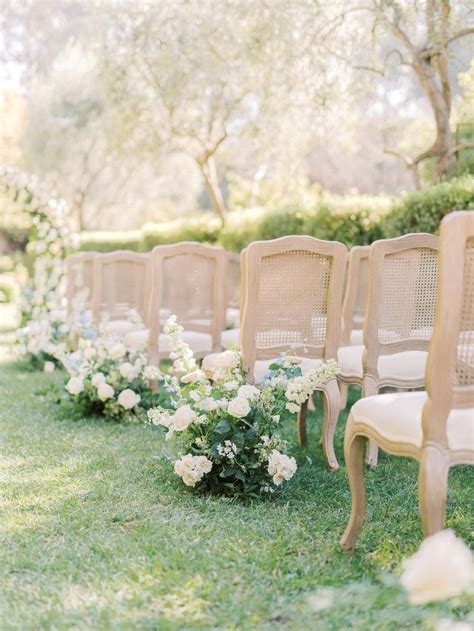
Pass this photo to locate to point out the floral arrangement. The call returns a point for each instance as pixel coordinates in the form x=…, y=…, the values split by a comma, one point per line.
x=228, y=431
x=52, y=237
x=107, y=377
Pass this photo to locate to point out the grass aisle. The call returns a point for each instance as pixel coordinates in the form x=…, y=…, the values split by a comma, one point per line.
x=98, y=533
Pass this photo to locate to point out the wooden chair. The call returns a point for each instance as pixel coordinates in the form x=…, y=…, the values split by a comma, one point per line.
x=79, y=281
x=189, y=281
x=293, y=296
x=403, y=277
x=121, y=283
x=437, y=426
x=355, y=297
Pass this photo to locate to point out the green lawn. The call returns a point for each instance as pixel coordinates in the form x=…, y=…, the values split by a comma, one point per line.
x=98, y=533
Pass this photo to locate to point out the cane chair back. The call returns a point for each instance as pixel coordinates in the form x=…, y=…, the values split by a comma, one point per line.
x=121, y=284
x=356, y=293
x=450, y=371
x=79, y=275
x=233, y=282
x=293, y=296
x=403, y=289
x=189, y=281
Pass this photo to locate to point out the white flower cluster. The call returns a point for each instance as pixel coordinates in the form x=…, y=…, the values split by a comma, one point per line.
x=299, y=389
x=191, y=469
x=281, y=467
x=227, y=449
x=180, y=352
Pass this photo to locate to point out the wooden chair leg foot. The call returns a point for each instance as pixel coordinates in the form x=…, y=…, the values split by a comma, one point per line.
x=354, y=455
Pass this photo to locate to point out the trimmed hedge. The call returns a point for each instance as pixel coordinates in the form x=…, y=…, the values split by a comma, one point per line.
x=342, y=220
x=105, y=241
x=422, y=211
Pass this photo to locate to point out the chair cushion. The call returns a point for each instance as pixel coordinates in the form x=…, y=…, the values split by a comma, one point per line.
x=406, y=366
x=121, y=327
x=397, y=417
x=232, y=318
x=198, y=342
x=230, y=337
x=357, y=337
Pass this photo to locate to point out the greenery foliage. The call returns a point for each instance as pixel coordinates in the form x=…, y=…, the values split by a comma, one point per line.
x=352, y=220
x=422, y=211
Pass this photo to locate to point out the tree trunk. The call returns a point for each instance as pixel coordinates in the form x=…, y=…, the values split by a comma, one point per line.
x=209, y=173
x=440, y=102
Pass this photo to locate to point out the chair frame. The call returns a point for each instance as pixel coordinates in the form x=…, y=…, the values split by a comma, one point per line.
x=100, y=260
x=251, y=259
x=370, y=382
x=356, y=254
x=233, y=259
x=71, y=261
x=434, y=455
x=219, y=299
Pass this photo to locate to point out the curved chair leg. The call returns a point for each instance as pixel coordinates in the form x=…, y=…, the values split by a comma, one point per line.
x=354, y=446
x=344, y=390
x=331, y=409
x=301, y=426
x=432, y=489
x=369, y=389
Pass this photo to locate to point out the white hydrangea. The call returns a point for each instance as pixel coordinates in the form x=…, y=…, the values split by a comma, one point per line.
x=191, y=469
x=280, y=467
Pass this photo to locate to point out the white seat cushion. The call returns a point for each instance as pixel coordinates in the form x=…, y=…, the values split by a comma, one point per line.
x=198, y=342
x=406, y=366
x=397, y=417
x=230, y=337
x=232, y=318
x=121, y=327
x=357, y=337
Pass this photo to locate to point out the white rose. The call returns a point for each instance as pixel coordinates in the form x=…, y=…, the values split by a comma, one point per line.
x=183, y=417
x=128, y=399
x=75, y=385
x=227, y=360
x=48, y=367
x=193, y=377
x=238, y=407
x=90, y=353
x=442, y=568
x=104, y=391
x=231, y=385
x=127, y=370
x=117, y=351
x=248, y=392
x=97, y=379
